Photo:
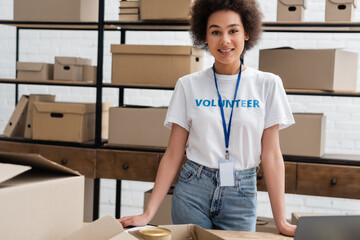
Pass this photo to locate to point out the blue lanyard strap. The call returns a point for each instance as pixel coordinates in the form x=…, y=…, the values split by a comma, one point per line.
x=227, y=131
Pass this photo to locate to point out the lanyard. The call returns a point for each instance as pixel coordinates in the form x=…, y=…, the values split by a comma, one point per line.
x=227, y=131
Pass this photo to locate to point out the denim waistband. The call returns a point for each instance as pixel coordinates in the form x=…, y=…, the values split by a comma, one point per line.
x=213, y=172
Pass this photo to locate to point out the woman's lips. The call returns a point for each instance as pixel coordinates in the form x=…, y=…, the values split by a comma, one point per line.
x=226, y=51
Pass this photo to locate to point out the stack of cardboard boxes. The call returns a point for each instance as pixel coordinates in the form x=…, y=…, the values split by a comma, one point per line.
x=64, y=69
x=129, y=11
x=335, y=10
x=148, y=10
x=311, y=69
x=39, y=117
x=148, y=66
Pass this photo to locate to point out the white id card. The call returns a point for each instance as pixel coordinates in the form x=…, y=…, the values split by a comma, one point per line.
x=227, y=172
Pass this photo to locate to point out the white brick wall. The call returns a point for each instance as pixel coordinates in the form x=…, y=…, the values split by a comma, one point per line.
x=343, y=114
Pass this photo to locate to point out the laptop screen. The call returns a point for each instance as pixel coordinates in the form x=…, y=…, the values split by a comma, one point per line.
x=345, y=227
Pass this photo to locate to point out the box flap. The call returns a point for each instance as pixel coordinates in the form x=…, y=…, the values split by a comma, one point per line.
x=294, y=2
x=344, y=2
x=65, y=107
x=36, y=161
x=8, y=171
x=155, y=49
x=105, y=228
x=72, y=61
x=29, y=66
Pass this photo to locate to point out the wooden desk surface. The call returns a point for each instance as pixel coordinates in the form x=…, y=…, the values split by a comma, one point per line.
x=249, y=235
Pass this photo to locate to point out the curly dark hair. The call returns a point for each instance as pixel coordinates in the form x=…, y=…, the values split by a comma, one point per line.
x=249, y=12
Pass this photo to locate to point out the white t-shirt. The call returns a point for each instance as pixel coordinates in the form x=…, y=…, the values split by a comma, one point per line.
x=261, y=102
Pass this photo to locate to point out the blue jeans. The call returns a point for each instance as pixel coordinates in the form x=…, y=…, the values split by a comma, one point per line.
x=198, y=199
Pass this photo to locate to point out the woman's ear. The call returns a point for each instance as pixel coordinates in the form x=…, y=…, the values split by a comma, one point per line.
x=246, y=37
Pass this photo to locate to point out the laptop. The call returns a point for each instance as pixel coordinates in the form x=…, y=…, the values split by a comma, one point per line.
x=345, y=227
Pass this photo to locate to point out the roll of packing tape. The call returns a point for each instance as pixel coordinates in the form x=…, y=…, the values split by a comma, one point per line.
x=155, y=233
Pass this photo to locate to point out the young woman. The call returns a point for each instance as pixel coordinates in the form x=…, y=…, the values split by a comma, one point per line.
x=228, y=119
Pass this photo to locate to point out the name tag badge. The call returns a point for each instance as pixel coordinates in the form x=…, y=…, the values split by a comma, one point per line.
x=227, y=172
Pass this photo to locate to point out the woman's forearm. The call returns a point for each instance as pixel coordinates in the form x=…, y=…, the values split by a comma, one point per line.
x=274, y=172
x=168, y=168
x=165, y=175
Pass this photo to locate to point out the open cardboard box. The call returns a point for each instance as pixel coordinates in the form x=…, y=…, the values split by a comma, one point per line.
x=108, y=228
x=39, y=199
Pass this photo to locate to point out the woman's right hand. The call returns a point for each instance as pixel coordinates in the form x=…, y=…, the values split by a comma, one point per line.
x=136, y=221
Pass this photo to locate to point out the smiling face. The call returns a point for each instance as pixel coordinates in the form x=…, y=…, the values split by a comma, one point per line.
x=225, y=37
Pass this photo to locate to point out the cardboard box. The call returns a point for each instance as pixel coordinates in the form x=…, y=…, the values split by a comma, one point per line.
x=16, y=124
x=105, y=228
x=108, y=227
x=306, y=137
x=322, y=69
x=165, y=9
x=54, y=10
x=89, y=73
x=60, y=121
x=149, y=65
x=183, y=231
x=29, y=116
x=129, y=4
x=105, y=120
x=340, y=10
x=39, y=199
x=138, y=126
x=129, y=17
x=34, y=71
x=163, y=215
x=290, y=10
x=70, y=68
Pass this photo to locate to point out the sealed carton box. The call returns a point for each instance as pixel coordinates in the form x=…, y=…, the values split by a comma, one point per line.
x=149, y=65
x=105, y=120
x=39, y=199
x=29, y=115
x=16, y=125
x=290, y=10
x=306, y=137
x=165, y=9
x=54, y=10
x=340, y=10
x=320, y=69
x=89, y=73
x=138, y=126
x=34, y=71
x=70, y=68
x=60, y=121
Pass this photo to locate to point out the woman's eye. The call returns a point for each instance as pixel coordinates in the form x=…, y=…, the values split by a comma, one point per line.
x=215, y=33
x=234, y=31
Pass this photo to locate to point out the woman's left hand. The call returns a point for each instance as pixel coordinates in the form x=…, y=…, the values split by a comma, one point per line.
x=287, y=229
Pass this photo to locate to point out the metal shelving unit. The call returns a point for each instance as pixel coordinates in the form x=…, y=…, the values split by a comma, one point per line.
x=101, y=26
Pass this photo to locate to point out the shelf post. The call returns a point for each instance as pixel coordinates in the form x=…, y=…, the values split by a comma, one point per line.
x=99, y=81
